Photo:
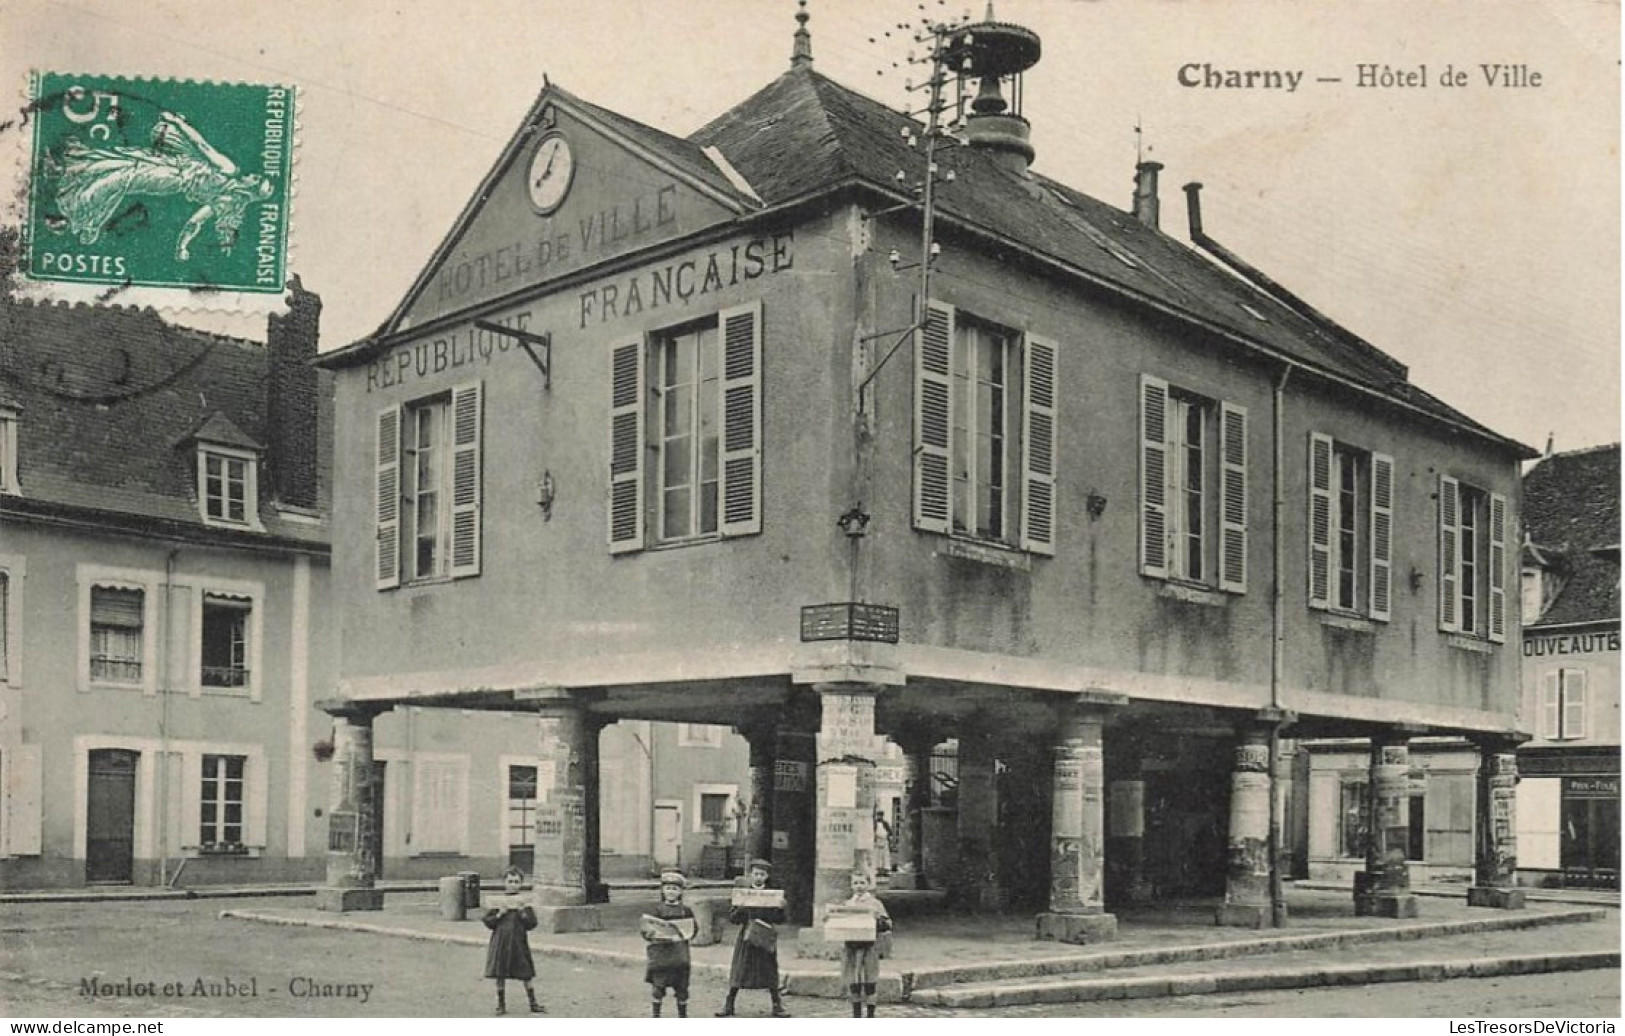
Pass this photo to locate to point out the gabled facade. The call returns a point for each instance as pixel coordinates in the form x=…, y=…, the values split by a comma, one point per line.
x=692, y=448
x=1568, y=799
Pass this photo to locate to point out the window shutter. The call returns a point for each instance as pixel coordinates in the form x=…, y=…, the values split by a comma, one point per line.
x=191, y=800
x=1498, y=568
x=1153, y=476
x=256, y=789
x=741, y=420
x=626, y=394
x=1551, y=704
x=1320, y=520
x=1233, y=498
x=1382, y=536
x=1574, y=703
x=465, y=479
x=23, y=801
x=1449, y=561
x=1038, y=446
x=933, y=418
x=439, y=798
x=388, y=501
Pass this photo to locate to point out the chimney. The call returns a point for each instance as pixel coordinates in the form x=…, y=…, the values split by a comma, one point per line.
x=1193, y=205
x=291, y=399
x=1146, y=205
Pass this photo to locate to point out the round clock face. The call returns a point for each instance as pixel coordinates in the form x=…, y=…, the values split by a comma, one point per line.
x=551, y=170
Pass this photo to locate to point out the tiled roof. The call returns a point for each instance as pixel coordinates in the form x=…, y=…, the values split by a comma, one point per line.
x=804, y=134
x=112, y=401
x=1571, y=512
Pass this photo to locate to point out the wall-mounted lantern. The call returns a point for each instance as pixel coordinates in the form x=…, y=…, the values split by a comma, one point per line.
x=544, y=495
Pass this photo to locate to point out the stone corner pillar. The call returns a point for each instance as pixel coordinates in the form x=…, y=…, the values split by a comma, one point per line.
x=762, y=737
x=565, y=733
x=1247, y=901
x=1495, y=854
x=908, y=869
x=353, y=849
x=1385, y=888
x=844, y=836
x=1077, y=905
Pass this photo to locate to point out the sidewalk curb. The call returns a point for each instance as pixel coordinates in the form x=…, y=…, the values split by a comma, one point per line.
x=1087, y=990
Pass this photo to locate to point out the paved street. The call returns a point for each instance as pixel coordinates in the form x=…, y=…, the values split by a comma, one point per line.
x=160, y=951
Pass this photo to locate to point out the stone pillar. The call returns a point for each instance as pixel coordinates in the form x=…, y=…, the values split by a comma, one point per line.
x=1125, y=835
x=1495, y=864
x=1386, y=887
x=1077, y=896
x=591, y=819
x=353, y=851
x=908, y=869
x=1247, y=882
x=794, y=812
x=762, y=736
x=844, y=835
x=563, y=733
x=976, y=883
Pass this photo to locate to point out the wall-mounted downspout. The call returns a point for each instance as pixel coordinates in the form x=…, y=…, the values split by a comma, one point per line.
x=167, y=632
x=1277, y=642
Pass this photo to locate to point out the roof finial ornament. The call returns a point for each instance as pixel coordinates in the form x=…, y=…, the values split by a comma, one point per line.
x=801, y=56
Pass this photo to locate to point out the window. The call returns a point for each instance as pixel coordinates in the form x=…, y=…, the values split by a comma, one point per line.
x=225, y=628
x=685, y=432
x=221, y=804
x=227, y=486
x=117, y=642
x=713, y=810
x=1563, y=704
x=1351, y=528
x=8, y=451
x=428, y=483
x=1193, y=487
x=984, y=431
x=1533, y=587
x=699, y=735
x=713, y=807
x=522, y=788
x=1354, y=829
x=1472, y=560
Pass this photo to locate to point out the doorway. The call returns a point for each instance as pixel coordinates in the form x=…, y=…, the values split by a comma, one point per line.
x=110, y=816
x=668, y=847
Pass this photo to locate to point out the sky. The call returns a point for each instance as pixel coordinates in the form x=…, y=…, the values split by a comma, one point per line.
x=1473, y=232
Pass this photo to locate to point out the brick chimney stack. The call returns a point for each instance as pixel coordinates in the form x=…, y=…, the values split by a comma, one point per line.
x=1147, y=207
x=291, y=399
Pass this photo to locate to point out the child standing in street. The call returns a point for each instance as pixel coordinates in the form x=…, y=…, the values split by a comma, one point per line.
x=668, y=955
x=508, y=955
x=860, y=961
x=756, y=950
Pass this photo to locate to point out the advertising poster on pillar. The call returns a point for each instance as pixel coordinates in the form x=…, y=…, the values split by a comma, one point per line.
x=1079, y=488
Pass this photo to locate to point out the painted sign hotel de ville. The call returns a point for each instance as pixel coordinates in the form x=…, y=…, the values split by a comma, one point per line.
x=684, y=429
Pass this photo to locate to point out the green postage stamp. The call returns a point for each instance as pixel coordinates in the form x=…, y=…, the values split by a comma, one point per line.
x=166, y=184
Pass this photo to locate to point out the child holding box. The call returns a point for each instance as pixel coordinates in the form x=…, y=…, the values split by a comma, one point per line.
x=860, y=960
x=508, y=955
x=667, y=929
x=756, y=952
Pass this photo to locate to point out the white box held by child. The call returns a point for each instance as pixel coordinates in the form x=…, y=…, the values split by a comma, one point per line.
x=760, y=899
x=849, y=926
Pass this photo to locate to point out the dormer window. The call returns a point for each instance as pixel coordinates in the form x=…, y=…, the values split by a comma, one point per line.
x=227, y=486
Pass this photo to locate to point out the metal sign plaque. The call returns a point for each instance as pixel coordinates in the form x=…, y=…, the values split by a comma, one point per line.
x=849, y=620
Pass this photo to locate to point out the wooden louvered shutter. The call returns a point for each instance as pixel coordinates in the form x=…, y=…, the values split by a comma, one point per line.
x=626, y=393
x=23, y=801
x=1498, y=568
x=1233, y=498
x=1153, y=476
x=1551, y=704
x=1449, y=556
x=933, y=418
x=465, y=479
x=387, y=498
x=1038, y=446
x=1320, y=520
x=1382, y=536
x=1574, y=703
x=741, y=420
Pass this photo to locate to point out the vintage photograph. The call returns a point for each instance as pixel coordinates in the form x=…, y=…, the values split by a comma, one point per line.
x=1045, y=509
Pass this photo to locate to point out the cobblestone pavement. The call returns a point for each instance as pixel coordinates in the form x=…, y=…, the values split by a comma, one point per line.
x=178, y=959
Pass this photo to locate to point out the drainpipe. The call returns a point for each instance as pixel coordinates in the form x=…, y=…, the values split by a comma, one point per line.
x=1277, y=646
x=166, y=630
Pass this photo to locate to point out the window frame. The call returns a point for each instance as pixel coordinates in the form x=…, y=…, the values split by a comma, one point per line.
x=975, y=340
x=706, y=332
x=698, y=793
x=1166, y=412
x=1464, y=506
x=222, y=802
x=459, y=487
x=688, y=735
x=252, y=596
x=1360, y=560
x=228, y=455
x=148, y=583
x=1565, y=694
x=13, y=581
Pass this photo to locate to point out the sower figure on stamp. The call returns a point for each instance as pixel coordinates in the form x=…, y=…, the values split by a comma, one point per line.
x=668, y=929
x=756, y=909
x=860, y=955
x=508, y=955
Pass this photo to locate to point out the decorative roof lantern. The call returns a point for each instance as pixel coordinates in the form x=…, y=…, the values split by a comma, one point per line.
x=995, y=54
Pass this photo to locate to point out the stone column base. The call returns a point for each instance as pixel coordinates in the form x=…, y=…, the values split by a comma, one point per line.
x=1244, y=915
x=1077, y=928
x=559, y=919
x=343, y=900
x=1393, y=904
x=1495, y=898
x=811, y=944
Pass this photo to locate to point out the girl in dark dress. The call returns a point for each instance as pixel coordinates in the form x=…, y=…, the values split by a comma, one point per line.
x=756, y=952
x=508, y=955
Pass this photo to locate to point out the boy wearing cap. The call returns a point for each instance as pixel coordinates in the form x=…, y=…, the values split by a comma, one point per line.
x=756, y=953
x=668, y=957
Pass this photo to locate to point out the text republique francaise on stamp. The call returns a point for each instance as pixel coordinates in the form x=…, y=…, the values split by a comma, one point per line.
x=160, y=191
